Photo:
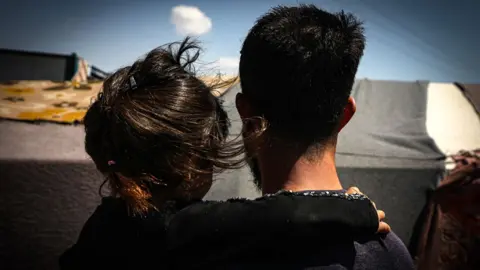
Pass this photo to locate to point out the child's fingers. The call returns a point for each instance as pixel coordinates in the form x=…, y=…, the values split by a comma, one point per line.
x=353, y=190
x=381, y=215
x=383, y=227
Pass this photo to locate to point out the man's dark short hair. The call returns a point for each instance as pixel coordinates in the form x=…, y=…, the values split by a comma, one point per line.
x=298, y=66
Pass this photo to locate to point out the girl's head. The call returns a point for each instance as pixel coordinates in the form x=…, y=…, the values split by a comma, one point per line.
x=156, y=129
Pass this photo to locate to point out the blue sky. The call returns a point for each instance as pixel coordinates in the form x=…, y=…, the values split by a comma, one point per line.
x=406, y=40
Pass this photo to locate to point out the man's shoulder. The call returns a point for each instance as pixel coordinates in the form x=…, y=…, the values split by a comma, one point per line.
x=383, y=252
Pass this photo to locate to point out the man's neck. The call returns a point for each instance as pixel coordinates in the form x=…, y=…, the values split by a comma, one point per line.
x=279, y=172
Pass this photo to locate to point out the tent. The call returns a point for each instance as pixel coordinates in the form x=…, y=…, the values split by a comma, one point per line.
x=48, y=186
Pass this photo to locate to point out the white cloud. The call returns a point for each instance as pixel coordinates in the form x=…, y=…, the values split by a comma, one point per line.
x=189, y=20
x=228, y=62
x=226, y=65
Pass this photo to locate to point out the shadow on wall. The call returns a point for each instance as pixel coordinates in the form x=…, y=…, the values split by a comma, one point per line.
x=44, y=206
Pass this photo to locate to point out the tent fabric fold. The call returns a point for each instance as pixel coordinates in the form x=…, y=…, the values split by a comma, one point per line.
x=472, y=93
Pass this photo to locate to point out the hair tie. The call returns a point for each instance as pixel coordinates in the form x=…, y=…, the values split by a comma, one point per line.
x=133, y=83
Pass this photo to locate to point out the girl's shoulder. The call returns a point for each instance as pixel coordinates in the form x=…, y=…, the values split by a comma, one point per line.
x=110, y=234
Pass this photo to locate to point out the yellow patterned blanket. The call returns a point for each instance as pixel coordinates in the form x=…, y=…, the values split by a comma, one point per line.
x=46, y=100
x=50, y=101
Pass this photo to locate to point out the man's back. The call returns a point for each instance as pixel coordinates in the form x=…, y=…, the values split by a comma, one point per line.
x=380, y=252
x=384, y=253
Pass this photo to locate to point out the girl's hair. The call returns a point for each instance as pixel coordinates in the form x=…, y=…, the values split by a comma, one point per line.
x=156, y=125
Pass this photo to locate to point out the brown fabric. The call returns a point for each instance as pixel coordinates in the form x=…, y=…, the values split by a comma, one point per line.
x=472, y=93
x=451, y=235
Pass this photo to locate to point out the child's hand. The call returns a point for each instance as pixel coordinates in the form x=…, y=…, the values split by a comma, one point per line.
x=383, y=227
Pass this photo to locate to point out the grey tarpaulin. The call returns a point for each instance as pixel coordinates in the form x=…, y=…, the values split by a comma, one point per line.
x=390, y=121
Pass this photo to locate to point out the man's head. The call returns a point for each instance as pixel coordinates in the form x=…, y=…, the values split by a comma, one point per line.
x=297, y=69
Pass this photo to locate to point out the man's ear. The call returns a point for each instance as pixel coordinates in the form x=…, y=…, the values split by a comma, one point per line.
x=243, y=107
x=348, y=112
x=246, y=111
